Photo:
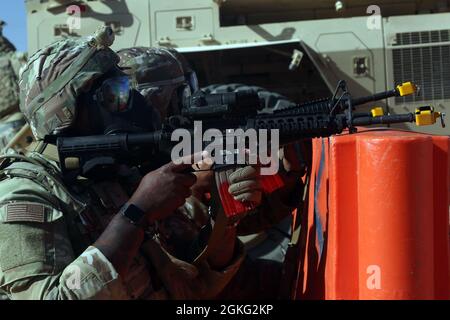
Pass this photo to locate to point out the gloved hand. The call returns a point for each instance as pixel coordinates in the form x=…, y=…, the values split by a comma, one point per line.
x=245, y=185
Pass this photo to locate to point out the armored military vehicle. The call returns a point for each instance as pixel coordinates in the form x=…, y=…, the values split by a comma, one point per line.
x=297, y=48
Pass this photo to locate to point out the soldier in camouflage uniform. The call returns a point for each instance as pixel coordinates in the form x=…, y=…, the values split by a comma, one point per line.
x=164, y=78
x=78, y=240
x=11, y=120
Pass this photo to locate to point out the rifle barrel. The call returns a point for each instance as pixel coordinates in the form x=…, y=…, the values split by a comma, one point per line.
x=390, y=119
x=375, y=97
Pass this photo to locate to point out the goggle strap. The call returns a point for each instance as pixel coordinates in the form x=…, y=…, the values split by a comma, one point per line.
x=148, y=85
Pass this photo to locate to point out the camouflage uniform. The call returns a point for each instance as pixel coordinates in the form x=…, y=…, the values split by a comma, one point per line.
x=164, y=71
x=160, y=71
x=47, y=226
x=11, y=120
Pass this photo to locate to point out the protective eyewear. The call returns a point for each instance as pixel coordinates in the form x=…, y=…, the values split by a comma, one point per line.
x=114, y=94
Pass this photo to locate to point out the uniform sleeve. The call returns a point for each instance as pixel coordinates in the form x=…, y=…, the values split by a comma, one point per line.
x=228, y=272
x=36, y=256
x=183, y=281
x=211, y=282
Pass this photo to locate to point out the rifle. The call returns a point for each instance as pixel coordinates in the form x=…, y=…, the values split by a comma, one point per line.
x=237, y=110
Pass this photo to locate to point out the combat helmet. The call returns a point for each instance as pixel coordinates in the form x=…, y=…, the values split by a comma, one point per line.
x=158, y=71
x=151, y=66
x=56, y=75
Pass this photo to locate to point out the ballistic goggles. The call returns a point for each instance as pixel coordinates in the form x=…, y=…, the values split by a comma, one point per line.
x=114, y=94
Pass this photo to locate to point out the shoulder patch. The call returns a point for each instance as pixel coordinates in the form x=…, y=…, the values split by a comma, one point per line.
x=25, y=212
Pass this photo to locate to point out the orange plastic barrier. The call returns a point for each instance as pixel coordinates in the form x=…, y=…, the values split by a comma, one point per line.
x=378, y=219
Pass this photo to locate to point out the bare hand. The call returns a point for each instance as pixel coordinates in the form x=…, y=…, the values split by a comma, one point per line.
x=164, y=190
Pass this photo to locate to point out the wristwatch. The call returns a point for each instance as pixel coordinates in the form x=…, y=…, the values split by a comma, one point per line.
x=133, y=214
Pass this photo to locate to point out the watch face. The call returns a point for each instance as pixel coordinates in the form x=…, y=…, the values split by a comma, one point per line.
x=133, y=213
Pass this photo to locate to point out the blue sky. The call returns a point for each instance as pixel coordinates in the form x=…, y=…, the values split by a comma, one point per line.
x=13, y=13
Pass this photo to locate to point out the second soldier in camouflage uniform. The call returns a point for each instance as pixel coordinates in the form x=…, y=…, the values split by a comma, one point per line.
x=11, y=120
x=164, y=78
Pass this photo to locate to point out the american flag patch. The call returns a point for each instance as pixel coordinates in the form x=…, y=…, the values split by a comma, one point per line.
x=25, y=212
